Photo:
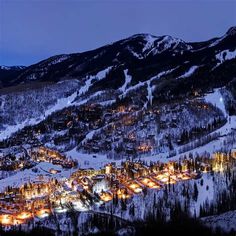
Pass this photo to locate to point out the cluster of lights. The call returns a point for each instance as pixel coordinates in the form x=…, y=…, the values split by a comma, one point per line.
x=42, y=213
x=127, y=187
x=135, y=187
x=144, y=148
x=106, y=197
x=10, y=220
x=149, y=183
x=122, y=195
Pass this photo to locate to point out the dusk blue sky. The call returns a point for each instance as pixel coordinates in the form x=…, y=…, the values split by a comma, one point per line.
x=32, y=30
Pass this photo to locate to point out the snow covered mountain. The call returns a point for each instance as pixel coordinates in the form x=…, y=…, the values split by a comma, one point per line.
x=142, y=70
x=143, y=56
x=144, y=98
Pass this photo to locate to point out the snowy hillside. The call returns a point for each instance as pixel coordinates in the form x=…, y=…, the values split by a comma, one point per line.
x=225, y=221
x=30, y=107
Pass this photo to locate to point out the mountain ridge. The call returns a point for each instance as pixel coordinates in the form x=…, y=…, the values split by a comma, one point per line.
x=143, y=55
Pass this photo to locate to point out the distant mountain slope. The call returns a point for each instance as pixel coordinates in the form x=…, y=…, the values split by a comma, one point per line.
x=142, y=70
x=8, y=74
x=144, y=56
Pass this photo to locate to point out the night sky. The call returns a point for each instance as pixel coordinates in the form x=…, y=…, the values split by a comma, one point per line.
x=32, y=30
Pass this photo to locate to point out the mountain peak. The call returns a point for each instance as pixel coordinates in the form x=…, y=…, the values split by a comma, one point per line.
x=157, y=44
x=143, y=35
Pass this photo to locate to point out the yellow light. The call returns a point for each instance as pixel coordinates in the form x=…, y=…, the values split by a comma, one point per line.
x=106, y=197
x=17, y=222
x=43, y=213
x=133, y=186
x=145, y=181
x=137, y=190
x=24, y=215
x=151, y=184
x=164, y=179
x=6, y=219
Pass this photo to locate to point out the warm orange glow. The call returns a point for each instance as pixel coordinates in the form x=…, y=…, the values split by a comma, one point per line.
x=85, y=187
x=144, y=148
x=6, y=219
x=106, y=197
x=121, y=194
x=129, y=179
x=135, y=187
x=186, y=177
x=174, y=177
x=24, y=215
x=149, y=183
x=17, y=222
x=145, y=181
x=42, y=212
x=137, y=190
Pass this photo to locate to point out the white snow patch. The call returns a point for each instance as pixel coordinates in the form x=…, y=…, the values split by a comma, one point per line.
x=217, y=41
x=128, y=79
x=149, y=92
x=205, y=192
x=136, y=86
x=133, y=52
x=216, y=99
x=88, y=83
x=108, y=102
x=189, y=72
x=225, y=55
x=95, y=161
x=149, y=42
x=168, y=42
x=5, y=67
x=141, y=84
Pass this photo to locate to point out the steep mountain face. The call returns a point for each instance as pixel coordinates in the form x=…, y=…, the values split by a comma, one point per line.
x=143, y=56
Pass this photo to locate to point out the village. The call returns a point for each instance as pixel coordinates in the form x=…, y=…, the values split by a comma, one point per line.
x=26, y=159
x=43, y=196
x=121, y=130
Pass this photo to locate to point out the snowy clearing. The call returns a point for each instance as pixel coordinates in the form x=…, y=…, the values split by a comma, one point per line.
x=189, y=72
x=95, y=161
x=225, y=55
